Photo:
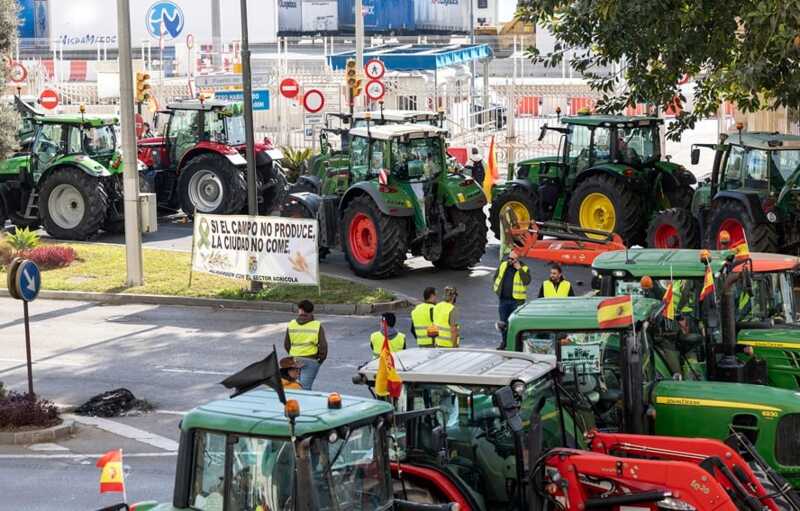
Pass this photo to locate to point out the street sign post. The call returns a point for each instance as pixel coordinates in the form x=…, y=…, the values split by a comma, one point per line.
x=313, y=101
x=48, y=99
x=374, y=69
x=24, y=283
x=375, y=90
x=289, y=88
x=18, y=73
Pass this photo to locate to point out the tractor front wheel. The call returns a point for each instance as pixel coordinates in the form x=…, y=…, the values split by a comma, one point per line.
x=466, y=248
x=734, y=218
x=672, y=228
x=604, y=203
x=516, y=200
x=211, y=184
x=72, y=204
x=374, y=244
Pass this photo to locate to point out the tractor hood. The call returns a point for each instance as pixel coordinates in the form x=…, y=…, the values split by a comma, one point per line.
x=734, y=397
x=776, y=338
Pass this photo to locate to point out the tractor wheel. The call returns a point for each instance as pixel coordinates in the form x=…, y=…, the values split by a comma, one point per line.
x=733, y=217
x=681, y=198
x=211, y=184
x=375, y=244
x=672, y=228
x=604, y=203
x=72, y=204
x=275, y=189
x=516, y=199
x=466, y=249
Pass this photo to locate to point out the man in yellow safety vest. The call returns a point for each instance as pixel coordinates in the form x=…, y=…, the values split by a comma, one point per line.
x=445, y=319
x=556, y=286
x=397, y=340
x=511, y=284
x=305, y=340
x=422, y=326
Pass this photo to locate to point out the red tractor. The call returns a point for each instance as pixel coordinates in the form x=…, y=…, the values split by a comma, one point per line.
x=196, y=162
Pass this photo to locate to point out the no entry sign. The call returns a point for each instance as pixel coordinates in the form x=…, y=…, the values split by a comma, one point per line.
x=18, y=73
x=374, y=69
x=48, y=99
x=375, y=90
x=314, y=101
x=289, y=88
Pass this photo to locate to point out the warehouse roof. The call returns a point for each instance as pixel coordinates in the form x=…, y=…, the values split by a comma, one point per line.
x=417, y=57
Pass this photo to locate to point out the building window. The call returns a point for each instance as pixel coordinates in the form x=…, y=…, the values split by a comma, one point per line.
x=407, y=102
x=483, y=4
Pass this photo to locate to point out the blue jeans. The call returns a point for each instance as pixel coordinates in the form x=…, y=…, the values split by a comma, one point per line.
x=308, y=373
x=505, y=308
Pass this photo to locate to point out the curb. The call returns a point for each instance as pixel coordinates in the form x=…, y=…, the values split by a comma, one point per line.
x=39, y=436
x=345, y=309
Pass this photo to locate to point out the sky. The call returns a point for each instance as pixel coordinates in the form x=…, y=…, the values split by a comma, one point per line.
x=507, y=8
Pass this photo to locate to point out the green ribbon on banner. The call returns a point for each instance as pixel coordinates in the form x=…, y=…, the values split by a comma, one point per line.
x=205, y=231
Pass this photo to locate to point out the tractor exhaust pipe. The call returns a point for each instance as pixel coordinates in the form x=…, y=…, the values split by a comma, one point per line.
x=728, y=367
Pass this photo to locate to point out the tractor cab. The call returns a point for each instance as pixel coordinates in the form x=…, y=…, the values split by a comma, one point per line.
x=244, y=453
x=485, y=403
x=622, y=362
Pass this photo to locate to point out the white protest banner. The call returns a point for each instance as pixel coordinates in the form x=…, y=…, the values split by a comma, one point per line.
x=273, y=250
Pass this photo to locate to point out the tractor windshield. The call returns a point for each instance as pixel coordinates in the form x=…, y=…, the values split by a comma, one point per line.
x=787, y=162
x=225, y=129
x=99, y=141
x=419, y=158
x=772, y=297
x=234, y=129
x=637, y=146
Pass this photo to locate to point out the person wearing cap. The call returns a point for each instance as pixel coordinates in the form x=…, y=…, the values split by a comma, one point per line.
x=475, y=163
x=556, y=286
x=397, y=340
x=511, y=282
x=422, y=327
x=305, y=340
x=290, y=373
x=445, y=319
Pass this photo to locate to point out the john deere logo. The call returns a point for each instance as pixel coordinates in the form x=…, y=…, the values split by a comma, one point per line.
x=165, y=19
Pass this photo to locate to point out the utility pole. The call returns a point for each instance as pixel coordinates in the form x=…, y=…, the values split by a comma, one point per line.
x=473, y=68
x=250, y=153
x=130, y=176
x=216, y=36
x=359, y=39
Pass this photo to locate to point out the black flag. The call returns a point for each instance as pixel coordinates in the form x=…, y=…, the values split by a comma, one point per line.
x=265, y=372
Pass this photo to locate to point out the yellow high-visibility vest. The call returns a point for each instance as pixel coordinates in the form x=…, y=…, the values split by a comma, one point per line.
x=422, y=317
x=441, y=319
x=520, y=290
x=304, y=339
x=397, y=343
x=550, y=290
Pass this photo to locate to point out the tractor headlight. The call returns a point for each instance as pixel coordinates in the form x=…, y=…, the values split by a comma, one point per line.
x=518, y=387
x=772, y=217
x=676, y=504
x=619, y=273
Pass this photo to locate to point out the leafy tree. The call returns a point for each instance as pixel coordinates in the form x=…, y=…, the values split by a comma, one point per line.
x=9, y=119
x=743, y=51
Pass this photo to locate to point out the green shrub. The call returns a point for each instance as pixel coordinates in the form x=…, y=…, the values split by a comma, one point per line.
x=20, y=410
x=23, y=239
x=293, y=162
x=6, y=253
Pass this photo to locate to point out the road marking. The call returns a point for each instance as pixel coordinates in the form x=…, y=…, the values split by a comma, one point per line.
x=126, y=431
x=42, y=362
x=195, y=371
x=82, y=456
x=170, y=412
x=47, y=447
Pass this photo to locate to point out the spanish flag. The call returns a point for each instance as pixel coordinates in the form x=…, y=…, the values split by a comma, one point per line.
x=491, y=175
x=615, y=312
x=387, y=381
x=708, y=284
x=112, y=478
x=669, y=303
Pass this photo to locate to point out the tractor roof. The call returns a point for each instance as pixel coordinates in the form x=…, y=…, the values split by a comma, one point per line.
x=619, y=121
x=196, y=104
x=260, y=412
x=570, y=314
x=685, y=263
x=398, y=115
x=390, y=131
x=77, y=120
x=764, y=140
x=465, y=366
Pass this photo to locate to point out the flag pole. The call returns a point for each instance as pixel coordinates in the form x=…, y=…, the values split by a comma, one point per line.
x=124, y=490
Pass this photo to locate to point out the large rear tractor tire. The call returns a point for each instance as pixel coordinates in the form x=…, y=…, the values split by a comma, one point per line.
x=605, y=203
x=72, y=204
x=211, y=184
x=374, y=244
x=734, y=218
x=465, y=249
x=673, y=228
x=518, y=200
x=681, y=197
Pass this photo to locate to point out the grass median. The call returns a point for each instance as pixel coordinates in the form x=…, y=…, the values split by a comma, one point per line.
x=101, y=268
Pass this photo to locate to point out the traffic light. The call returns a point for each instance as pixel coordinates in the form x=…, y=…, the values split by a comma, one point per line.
x=142, y=87
x=354, y=83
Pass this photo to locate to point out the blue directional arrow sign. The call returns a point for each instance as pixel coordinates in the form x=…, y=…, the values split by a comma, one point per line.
x=28, y=280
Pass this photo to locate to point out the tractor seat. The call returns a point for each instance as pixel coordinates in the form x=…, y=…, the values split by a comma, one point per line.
x=610, y=396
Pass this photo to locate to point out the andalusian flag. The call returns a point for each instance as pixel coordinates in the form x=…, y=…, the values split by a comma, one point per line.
x=491, y=175
x=112, y=478
x=387, y=381
x=615, y=312
x=708, y=284
x=669, y=303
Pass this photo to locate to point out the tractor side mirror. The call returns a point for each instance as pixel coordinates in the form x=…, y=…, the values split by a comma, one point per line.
x=542, y=132
x=509, y=408
x=695, y=156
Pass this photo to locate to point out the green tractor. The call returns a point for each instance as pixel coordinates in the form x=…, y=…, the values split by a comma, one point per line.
x=389, y=194
x=608, y=176
x=619, y=378
x=70, y=181
x=752, y=194
x=767, y=322
x=245, y=453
